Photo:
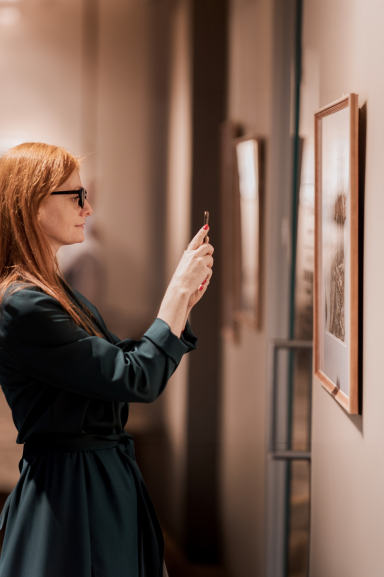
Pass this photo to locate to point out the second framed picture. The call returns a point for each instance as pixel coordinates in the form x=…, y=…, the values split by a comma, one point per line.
x=336, y=282
x=248, y=206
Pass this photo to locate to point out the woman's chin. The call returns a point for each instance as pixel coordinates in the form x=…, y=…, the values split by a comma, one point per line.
x=80, y=236
x=76, y=239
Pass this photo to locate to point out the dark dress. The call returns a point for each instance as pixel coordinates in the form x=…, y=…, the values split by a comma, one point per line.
x=80, y=507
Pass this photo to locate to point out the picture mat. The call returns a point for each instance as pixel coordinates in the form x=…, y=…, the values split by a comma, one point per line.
x=247, y=160
x=334, y=297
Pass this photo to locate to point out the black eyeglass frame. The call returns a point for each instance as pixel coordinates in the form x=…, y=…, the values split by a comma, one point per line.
x=81, y=192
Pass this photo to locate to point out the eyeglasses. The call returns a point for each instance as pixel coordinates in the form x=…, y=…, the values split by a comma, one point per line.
x=81, y=192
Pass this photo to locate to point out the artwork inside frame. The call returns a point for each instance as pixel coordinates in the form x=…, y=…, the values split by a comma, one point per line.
x=248, y=206
x=336, y=280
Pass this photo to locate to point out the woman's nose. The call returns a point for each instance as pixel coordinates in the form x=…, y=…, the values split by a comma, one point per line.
x=87, y=210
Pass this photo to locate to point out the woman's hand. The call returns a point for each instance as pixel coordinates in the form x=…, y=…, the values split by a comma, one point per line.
x=194, y=270
x=198, y=293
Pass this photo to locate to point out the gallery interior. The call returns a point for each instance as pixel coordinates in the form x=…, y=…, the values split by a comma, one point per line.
x=254, y=467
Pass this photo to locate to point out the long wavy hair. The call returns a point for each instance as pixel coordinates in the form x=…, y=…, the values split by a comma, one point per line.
x=29, y=172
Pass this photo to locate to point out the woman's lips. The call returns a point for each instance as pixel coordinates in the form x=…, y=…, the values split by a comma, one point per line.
x=82, y=225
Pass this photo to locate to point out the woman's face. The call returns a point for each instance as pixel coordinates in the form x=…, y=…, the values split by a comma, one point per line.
x=61, y=217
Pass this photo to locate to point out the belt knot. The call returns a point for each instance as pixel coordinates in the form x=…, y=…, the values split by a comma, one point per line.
x=126, y=444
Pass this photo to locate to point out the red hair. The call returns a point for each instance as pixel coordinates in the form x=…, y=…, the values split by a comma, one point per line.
x=28, y=174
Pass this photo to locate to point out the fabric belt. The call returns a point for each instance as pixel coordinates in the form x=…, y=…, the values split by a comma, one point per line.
x=86, y=442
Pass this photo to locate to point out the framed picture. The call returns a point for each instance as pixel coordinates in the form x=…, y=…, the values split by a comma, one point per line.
x=229, y=130
x=336, y=282
x=249, y=162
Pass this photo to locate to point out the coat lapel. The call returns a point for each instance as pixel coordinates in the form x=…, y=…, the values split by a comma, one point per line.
x=98, y=323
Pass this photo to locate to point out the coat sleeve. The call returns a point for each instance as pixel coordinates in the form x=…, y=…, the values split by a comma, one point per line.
x=47, y=345
x=188, y=338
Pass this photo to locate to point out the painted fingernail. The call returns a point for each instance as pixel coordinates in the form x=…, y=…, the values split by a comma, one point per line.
x=205, y=227
x=204, y=281
x=201, y=288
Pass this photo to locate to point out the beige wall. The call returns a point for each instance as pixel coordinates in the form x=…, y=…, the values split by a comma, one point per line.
x=345, y=38
x=124, y=134
x=244, y=368
x=40, y=67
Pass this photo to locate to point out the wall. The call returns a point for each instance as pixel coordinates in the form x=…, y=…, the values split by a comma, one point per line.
x=41, y=58
x=244, y=365
x=344, y=40
x=124, y=133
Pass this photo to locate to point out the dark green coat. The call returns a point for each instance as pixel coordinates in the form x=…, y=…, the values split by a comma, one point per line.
x=80, y=507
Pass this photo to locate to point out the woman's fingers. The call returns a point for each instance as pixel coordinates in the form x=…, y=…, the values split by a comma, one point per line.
x=206, y=281
x=204, y=285
x=208, y=260
x=209, y=274
x=204, y=249
x=198, y=238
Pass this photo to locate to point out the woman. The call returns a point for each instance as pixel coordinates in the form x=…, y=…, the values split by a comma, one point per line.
x=80, y=507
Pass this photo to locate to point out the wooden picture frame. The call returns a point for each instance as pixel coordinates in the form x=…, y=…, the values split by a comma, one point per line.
x=229, y=130
x=336, y=280
x=248, y=151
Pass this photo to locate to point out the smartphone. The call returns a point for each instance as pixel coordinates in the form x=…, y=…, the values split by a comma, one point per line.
x=206, y=219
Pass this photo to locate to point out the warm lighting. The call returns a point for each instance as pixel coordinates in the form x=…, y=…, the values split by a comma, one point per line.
x=9, y=16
